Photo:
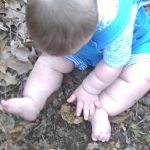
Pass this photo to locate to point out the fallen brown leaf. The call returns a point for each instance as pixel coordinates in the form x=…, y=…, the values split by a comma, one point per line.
x=120, y=118
x=68, y=79
x=2, y=76
x=10, y=79
x=69, y=115
x=22, y=129
x=16, y=130
x=3, y=44
x=18, y=66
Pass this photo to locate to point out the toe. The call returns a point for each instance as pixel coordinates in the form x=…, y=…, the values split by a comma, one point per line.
x=101, y=137
x=108, y=137
x=105, y=138
x=4, y=104
x=94, y=138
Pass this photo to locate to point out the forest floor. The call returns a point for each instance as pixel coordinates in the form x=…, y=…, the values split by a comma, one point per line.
x=57, y=127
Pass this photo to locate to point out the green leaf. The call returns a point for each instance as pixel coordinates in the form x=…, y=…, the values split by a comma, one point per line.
x=135, y=130
x=147, y=138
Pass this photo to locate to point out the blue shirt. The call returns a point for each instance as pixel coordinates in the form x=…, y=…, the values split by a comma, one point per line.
x=113, y=41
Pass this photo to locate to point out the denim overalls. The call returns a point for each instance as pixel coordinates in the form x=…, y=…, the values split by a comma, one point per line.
x=92, y=52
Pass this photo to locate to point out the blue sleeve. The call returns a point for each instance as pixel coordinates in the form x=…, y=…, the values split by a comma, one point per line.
x=118, y=53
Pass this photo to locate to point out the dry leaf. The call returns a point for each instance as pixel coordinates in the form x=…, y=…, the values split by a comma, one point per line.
x=18, y=66
x=54, y=96
x=3, y=4
x=3, y=67
x=78, y=120
x=69, y=115
x=120, y=118
x=5, y=54
x=7, y=123
x=15, y=9
x=2, y=76
x=16, y=130
x=2, y=83
x=2, y=44
x=68, y=79
x=14, y=44
x=22, y=128
x=21, y=53
x=10, y=79
x=22, y=30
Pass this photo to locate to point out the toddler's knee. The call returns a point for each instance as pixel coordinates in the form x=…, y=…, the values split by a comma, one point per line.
x=139, y=72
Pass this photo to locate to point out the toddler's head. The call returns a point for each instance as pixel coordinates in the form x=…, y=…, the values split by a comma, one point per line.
x=60, y=26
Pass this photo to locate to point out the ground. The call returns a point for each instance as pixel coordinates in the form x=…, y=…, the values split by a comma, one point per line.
x=57, y=128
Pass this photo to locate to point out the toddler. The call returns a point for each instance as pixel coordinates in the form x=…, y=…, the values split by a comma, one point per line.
x=113, y=36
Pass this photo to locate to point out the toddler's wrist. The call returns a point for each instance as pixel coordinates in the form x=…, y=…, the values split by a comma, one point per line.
x=89, y=89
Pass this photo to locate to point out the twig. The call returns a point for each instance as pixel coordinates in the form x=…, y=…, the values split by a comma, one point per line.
x=10, y=31
x=3, y=28
x=2, y=128
x=146, y=118
x=17, y=11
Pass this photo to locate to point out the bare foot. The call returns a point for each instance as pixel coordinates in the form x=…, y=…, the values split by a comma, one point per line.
x=101, y=129
x=24, y=107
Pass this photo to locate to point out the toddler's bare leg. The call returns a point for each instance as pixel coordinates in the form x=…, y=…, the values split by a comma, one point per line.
x=132, y=84
x=45, y=78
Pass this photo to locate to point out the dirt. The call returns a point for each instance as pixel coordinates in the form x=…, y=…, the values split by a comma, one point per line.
x=53, y=131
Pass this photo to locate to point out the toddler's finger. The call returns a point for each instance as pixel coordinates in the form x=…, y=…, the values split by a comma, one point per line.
x=71, y=99
x=86, y=111
x=79, y=108
x=92, y=110
x=98, y=104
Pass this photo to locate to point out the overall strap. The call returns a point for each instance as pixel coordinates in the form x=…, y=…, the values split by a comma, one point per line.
x=114, y=30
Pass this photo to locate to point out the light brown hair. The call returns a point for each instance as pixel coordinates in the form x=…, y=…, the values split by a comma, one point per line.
x=58, y=26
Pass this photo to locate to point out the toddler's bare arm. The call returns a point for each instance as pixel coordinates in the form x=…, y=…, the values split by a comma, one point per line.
x=88, y=92
x=100, y=78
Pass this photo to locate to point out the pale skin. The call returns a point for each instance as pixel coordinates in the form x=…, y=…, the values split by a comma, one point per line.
x=104, y=92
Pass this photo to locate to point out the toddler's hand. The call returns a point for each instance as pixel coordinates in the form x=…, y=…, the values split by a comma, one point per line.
x=85, y=101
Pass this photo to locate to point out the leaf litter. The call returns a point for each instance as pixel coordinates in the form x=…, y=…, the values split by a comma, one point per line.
x=57, y=127
x=14, y=55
